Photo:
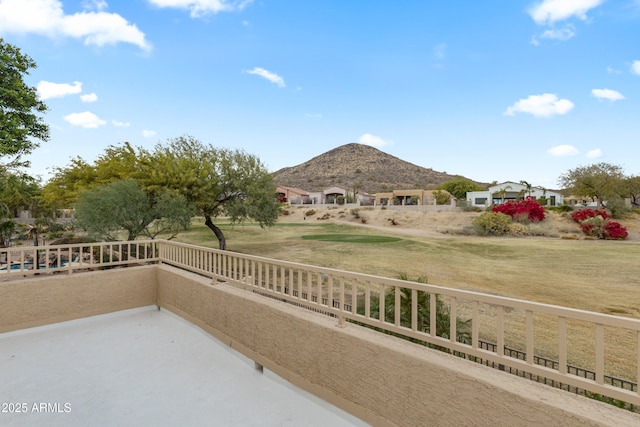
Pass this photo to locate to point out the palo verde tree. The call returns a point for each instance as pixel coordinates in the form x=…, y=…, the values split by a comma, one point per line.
x=599, y=182
x=20, y=123
x=218, y=182
x=123, y=205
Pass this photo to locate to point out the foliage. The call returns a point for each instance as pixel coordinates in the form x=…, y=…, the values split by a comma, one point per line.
x=217, y=182
x=615, y=231
x=20, y=124
x=600, y=181
x=441, y=197
x=492, y=223
x=520, y=210
x=583, y=214
x=63, y=188
x=561, y=208
x=109, y=208
x=458, y=187
x=528, y=187
x=593, y=226
x=617, y=208
x=632, y=189
x=17, y=191
x=443, y=316
x=517, y=230
x=596, y=223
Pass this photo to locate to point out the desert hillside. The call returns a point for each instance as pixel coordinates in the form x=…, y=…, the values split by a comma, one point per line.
x=361, y=167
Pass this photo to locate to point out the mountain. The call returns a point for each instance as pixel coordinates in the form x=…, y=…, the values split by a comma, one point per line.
x=361, y=167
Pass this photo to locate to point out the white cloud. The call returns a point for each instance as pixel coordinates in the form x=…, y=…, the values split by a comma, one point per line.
x=46, y=17
x=89, y=97
x=612, y=70
x=594, y=154
x=199, y=8
x=86, y=120
x=120, y=124
x=272, y=77
x=544, y=105
x=148, y=133
x=549, y=11
x=47, y=90
x=563, y=34
x=611, y=95
x=373, y=140
x=635, y=67
x=98, y=5
x=563, y=150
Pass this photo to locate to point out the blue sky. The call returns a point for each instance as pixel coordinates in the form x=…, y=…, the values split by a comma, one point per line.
x=493, y=90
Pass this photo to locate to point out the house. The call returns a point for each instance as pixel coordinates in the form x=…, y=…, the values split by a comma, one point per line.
x=409, y=197
x=365, y=199
x=501, y=193
x=291, y=195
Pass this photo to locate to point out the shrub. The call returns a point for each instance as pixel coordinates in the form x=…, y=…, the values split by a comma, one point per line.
x=518, y=230
x=593, y=226
x=528, y=208
x=561, y=208
x=613, y=230
x=492, y=223
x=596, y=224
x=310, y=212
x=581, y=215
x=617, y=208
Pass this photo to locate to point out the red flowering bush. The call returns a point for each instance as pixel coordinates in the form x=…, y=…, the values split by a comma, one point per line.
x=581, y=215
x=614, y=230
x=528, y=209
x=595, y=223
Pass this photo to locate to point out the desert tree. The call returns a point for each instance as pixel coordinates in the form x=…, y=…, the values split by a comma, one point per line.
x=218, y=182
x=110, y=208
x=21, y=123
x=459, y=187
x=599, y=182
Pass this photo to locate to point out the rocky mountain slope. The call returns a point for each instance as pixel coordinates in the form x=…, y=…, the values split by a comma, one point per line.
x=361, y=167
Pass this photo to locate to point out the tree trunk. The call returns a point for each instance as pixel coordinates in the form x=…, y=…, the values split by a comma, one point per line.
x=222, y=242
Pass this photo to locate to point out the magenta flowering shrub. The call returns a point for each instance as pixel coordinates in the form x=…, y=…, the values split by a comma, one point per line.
x=528, y=208
x=614, y=230
x=596, y=223
x=581, y=215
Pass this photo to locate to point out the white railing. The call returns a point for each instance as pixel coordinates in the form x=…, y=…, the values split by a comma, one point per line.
x=419, y=312
x=35, y=260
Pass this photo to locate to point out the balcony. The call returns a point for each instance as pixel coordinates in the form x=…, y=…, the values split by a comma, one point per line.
x=312, y=327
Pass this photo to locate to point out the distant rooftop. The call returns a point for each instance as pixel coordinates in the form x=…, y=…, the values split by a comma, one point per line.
x=144, y=367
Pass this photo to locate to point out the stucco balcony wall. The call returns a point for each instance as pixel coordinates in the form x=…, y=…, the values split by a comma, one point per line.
x=381, y=379
x=60, y=297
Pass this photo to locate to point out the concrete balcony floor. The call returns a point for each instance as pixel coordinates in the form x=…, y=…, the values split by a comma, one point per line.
x=144, y=367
